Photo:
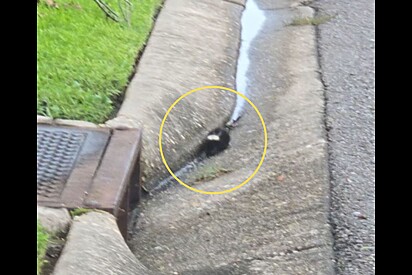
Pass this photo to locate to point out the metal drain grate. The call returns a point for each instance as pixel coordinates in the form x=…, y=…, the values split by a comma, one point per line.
x=89, y=167
x=67, y=159
x=56, y=154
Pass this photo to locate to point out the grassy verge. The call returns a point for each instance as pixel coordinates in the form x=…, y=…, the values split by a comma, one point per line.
x=42, y=239
x=84, y=59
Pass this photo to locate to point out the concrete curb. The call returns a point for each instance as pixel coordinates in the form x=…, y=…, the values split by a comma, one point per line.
x=277, y=223
x=208, y=32
x=95, y=246
x=66, y=122
x=55, y=221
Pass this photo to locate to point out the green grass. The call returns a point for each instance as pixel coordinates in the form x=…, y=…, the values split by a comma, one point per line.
x=79, y=211
x=315, y=21
x=209, y=173
x=42, y=239
x=84, y=60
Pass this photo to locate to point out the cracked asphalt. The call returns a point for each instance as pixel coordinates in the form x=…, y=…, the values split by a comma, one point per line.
x=346, y=47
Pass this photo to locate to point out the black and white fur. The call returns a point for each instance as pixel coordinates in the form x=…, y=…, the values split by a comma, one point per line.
x=215, y=142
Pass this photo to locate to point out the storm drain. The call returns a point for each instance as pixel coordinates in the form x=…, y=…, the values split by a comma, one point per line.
x=89, y=167
x=57, y=151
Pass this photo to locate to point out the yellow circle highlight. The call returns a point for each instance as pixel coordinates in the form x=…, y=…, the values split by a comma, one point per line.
x=213, y=192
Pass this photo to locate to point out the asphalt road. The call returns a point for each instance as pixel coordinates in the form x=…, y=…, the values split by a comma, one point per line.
x=347, y=58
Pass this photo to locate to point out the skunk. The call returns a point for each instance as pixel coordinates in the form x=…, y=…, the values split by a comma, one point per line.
x=216, y=141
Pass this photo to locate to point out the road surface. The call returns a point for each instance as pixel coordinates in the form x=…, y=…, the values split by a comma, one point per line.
x=347, y=58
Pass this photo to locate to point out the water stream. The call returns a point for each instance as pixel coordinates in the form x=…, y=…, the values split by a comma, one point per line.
x=251, y=22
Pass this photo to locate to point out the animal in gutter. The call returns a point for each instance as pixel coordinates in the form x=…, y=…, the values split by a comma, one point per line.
x=215, y=142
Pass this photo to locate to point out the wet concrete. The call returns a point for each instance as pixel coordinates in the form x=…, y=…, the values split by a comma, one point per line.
x=252, y=21
x=278, y=222
x=193, y=44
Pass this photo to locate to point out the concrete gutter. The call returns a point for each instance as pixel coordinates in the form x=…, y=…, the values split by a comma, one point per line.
x=193, y=44
x=278, y=223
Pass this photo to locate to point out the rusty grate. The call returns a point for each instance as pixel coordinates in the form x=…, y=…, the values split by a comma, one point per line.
x=67, y=158
x=89, y=167
x=57, y=151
